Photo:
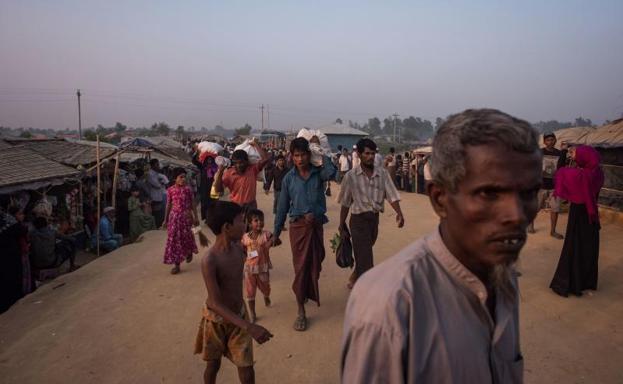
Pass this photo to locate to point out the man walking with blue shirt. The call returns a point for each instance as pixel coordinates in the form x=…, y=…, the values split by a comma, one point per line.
x=303, y=199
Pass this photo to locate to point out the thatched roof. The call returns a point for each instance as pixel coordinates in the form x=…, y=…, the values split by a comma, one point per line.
x=71, y=153
x=607, y=136
x=22, y=168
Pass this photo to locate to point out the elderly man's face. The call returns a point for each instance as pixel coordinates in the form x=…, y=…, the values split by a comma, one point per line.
x=485, y=220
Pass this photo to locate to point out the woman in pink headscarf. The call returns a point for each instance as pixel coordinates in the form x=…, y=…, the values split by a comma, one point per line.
x=577, y=267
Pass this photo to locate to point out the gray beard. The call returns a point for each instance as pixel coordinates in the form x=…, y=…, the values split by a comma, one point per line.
x=500, y=279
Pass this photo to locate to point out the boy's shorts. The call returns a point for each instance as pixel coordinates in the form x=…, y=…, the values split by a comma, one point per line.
x=546, y=199
x=217, y=337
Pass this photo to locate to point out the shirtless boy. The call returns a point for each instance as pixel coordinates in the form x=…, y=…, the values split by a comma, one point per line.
x=224, y=329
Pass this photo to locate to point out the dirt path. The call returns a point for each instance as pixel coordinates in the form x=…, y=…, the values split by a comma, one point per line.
x=124, y=319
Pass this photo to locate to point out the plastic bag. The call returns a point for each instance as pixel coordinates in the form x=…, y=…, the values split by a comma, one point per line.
x=207, y=146
x=254, y=155
x=318, y=149
x=222, y=161
x=208, y=149
x=344, y=252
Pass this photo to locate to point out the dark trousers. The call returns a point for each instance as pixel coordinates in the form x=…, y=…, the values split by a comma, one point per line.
x=276, y=194
x=364, y=229
x=157, y=210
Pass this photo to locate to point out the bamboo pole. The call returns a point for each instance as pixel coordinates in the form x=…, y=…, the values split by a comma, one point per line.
x=99, y=191
x=114, y=183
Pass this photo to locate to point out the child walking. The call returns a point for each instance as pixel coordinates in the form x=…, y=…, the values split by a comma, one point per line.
x=224, y=329
x=257, y=244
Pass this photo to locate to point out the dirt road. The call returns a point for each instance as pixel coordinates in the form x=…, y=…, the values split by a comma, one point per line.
x=124, y=319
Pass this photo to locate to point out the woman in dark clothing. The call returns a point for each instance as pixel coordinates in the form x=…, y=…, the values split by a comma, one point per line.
x=11, y=284
x=27, y=282
x=207, y=170
x=577, y=267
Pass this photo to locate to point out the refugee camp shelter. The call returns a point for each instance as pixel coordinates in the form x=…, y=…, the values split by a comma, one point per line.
x=143, y=148
x=342, y=134
x=164, y=144
x=24, y=169
x=608, y=140
x=72, y=153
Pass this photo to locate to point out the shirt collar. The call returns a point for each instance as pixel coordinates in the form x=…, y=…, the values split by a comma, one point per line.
x=503, y=309
x=454, y=267
x=359, y=171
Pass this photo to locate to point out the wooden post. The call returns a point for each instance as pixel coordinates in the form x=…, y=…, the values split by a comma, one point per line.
x=114, y=183
x=99, y=191
x=81, y=203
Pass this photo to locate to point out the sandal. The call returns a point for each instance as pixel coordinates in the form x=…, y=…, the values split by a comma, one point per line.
x=300, y=324
x=175, y=270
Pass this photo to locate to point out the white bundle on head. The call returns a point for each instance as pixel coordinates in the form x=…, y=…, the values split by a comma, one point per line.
x=317, y=150
x=252, y=152
x=222, y=161
x=207, y=146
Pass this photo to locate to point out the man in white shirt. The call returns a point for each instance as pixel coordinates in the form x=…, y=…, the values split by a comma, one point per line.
x=344, y=163
x=355, y=157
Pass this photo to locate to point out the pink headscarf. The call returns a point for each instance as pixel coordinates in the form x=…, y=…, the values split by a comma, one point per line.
x=581, y=185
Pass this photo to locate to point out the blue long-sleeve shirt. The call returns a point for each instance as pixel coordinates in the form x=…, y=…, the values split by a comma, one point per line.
x=299, y=196
x=106, y=230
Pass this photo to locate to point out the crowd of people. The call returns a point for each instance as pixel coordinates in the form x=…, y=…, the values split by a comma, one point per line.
x=415, y=317
x=445, y=309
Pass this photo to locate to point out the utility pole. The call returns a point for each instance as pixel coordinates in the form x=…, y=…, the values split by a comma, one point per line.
x=262, y=109
x=268, y=116
x=79, y=117
x=396, y=117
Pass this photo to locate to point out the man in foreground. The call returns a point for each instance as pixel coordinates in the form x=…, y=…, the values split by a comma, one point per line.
x=303, y=199
x=364, y=190
x=446, y=308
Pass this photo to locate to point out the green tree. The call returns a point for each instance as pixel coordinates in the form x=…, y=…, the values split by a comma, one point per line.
x=438, y=122
x=244, y=130
x=582, y=122
x=119, y=128
x=374, y=126
x=160, y=129
x=26, y=135
x=90, y=135
x=179, y=132
x=338, y=121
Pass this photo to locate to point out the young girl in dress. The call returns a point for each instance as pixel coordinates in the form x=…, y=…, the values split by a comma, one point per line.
x=180, y=215
x=257, y=244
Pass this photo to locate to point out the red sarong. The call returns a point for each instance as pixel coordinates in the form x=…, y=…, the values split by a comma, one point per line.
x=306, y=240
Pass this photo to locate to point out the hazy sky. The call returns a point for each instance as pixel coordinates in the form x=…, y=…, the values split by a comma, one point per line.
x=200, y=63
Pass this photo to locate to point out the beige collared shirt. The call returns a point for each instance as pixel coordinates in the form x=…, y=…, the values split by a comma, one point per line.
x=367, y=194
x=421, y=317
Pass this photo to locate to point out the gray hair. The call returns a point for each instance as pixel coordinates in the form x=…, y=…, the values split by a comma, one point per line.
x=476, y=127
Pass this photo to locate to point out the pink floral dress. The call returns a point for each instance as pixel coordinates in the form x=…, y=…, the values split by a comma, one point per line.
x=180, y=238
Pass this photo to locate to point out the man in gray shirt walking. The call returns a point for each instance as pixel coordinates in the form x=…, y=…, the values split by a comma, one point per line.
x=446, y=308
